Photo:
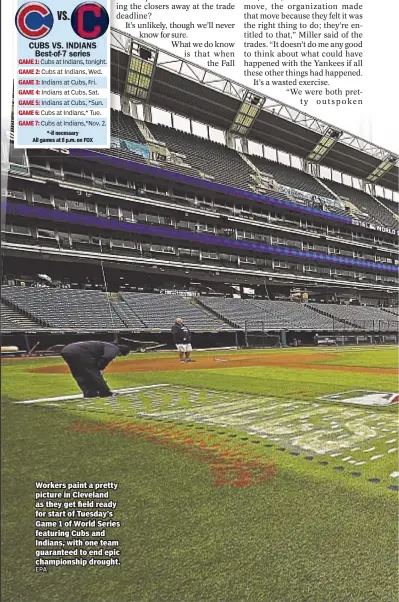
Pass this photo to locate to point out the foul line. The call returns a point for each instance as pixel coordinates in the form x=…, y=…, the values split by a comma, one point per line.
x=80, y=396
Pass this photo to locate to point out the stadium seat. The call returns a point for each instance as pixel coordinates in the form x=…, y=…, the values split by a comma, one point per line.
x=220, y=163
x=12, y=320
x=160, y=311
x=366, y=318
x=289, y=176
x=391, y=206
x=365, y=203
x=255, y=314
x=65, y=309
x=123, y=126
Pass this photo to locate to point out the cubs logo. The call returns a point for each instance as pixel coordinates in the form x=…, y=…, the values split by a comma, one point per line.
x=34, y=20
x=90, y=20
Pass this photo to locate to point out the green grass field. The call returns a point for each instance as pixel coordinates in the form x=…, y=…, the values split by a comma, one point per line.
x=235, y=484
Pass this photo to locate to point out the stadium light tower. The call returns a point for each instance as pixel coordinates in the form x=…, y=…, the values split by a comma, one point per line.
x=325, y=144
x=140, y=72
x=246, y=114
x=384, y=167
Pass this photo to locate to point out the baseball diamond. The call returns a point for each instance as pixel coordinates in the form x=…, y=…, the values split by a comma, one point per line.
x=202, y=322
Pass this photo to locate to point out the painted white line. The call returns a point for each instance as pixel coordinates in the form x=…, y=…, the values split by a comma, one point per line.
x=80, y=396
x=376, y=457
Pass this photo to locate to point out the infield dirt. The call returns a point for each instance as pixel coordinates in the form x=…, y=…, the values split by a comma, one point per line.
x=306, y=361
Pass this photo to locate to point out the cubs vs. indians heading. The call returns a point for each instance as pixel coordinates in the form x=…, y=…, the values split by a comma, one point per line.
x=62, y=74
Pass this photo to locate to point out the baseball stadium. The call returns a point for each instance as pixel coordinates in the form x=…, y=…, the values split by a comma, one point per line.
x=258, y=461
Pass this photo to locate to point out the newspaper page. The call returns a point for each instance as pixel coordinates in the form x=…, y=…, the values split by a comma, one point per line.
x=199, y=310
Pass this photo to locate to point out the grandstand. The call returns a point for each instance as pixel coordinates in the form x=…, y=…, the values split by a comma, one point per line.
x=232, y=214
x=52, y=310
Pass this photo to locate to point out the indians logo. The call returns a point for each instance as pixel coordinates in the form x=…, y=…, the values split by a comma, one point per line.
x=90, y=20
x=34, y=20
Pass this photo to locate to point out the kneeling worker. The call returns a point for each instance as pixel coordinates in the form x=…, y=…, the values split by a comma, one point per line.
x=86, y=361
x=182, y=338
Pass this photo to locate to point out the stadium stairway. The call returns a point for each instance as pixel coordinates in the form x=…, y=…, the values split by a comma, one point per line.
x=333, y=195
x=219, y=162
x=125, y=312
x=330, y=315
x=391, y=205
x=260, y=186
x=145, y=131
x=158, y=311
x=362, y=203
x=125, y=127
x=14, y=318
x=386, y=207
x=216, y=314
x=391, y=311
